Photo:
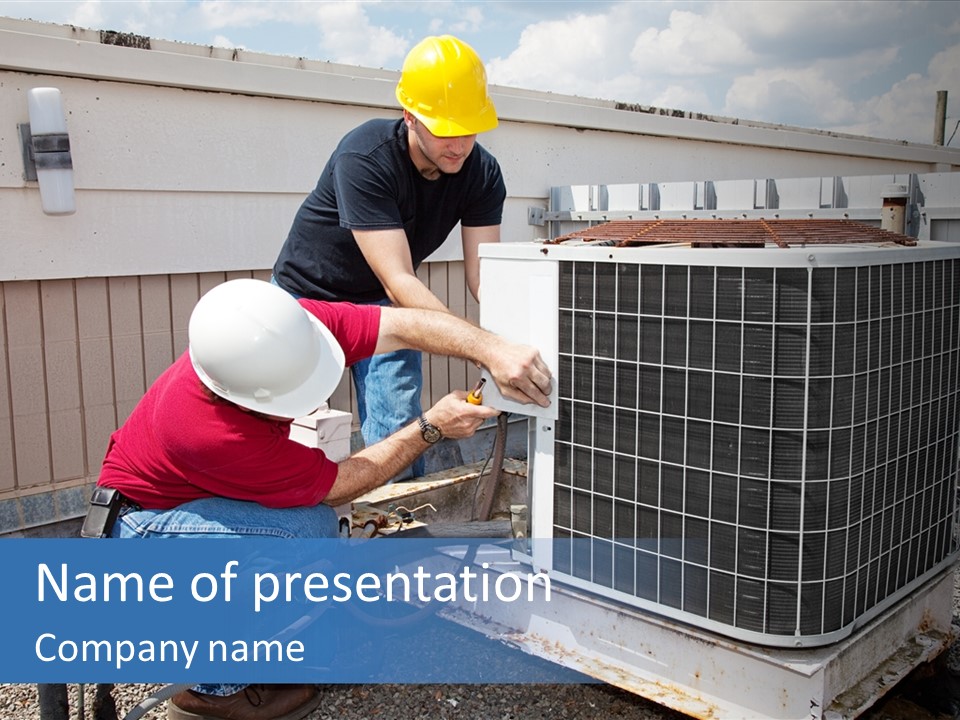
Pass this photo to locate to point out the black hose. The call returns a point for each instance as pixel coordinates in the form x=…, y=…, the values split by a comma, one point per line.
x=492, y=484
x=104, y=706
x=53, y=701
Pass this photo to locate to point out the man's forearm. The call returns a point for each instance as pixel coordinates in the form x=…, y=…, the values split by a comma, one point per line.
x=371, y=467
x=434, y=332
x=409, y=292
x=518, y=370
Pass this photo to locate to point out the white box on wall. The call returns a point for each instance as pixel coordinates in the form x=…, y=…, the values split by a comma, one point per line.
x=326, y=429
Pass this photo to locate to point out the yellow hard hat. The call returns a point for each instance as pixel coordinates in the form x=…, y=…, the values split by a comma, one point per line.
x=444, y=85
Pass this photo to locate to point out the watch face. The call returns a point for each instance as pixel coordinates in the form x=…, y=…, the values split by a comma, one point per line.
x=431, y=433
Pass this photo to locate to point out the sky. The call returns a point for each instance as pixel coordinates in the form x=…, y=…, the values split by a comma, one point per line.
x=868, y=68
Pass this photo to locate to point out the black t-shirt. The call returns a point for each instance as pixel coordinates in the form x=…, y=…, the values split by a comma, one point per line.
x=370, y=183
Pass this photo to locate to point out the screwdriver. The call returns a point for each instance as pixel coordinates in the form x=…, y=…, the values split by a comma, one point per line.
x=476, y=395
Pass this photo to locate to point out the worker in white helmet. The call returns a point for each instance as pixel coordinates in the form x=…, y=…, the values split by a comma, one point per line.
x=390, y=194
x=206, y=452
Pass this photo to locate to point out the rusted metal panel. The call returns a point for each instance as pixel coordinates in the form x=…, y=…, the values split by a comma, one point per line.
x=732, y=233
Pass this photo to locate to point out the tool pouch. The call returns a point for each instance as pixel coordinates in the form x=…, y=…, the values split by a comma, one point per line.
x=104, y=508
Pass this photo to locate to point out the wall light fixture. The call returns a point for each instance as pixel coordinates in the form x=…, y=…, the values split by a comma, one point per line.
x=46, y=151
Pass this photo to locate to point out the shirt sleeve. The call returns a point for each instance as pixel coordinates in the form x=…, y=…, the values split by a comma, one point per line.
x=365, y=198
x=489, y=194
x=356, y=327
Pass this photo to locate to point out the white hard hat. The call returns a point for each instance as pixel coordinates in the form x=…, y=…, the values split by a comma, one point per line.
x=253, y=344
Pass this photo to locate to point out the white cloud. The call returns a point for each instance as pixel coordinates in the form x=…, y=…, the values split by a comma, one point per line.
x=692, y=44
x=552, y=53
x=945, y=68
x=799, y=30
x=88, y=14
x=346, y=35
x=830, y=65
x=222, y=41
x=153, y=18
x=800, y=97
x=906, y=111
x=586, y=55
x=681, y=97
x=343, y=31
x=816, y=94
x=219, y=14
x=471, y=21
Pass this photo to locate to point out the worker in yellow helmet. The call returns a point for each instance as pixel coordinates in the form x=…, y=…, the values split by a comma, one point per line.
x=388, y=197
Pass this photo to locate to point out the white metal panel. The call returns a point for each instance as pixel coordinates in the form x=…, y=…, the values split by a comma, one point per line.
x=734, y=194
x=800, y=193
x=624, y=196
x=519, y=303
x=122, y=233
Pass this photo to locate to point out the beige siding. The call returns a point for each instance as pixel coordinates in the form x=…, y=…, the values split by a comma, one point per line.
x=155, y=313
x=77, y=355
x=443, y=374
x=61, y=372
x=27, y=386
x=98, y=400
x=7, y=459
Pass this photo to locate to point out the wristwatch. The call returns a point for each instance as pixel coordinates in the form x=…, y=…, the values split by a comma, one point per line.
x=431, y=433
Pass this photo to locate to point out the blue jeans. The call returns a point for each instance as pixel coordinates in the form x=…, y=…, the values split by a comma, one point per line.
x=219, y=517
x=388, y=398
x=388, y=394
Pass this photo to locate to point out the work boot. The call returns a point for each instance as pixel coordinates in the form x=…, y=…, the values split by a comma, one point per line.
x=254, y=702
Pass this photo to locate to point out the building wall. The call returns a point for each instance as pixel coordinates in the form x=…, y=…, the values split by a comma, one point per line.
x=77, y=354
x=189, y=164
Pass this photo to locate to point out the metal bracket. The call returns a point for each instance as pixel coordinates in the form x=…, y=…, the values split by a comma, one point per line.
x=520, y=525
x=535, y=216
x=26, y=149
x=49, y=151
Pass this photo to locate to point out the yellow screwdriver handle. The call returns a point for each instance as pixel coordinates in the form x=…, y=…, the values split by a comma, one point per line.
x=475, y=397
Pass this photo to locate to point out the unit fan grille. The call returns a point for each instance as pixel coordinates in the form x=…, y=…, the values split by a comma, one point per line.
x=771, y=449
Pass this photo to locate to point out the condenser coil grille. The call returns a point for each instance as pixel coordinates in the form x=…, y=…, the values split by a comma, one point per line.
x=770, y=449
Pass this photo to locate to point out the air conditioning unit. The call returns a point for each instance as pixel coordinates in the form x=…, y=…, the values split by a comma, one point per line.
x=758, y=441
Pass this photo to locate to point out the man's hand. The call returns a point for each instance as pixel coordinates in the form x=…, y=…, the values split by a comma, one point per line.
x=372, y=466
x=456, y=418
x=520, y=373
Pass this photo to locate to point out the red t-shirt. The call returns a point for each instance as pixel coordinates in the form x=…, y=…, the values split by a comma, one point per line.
x=179, y=444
